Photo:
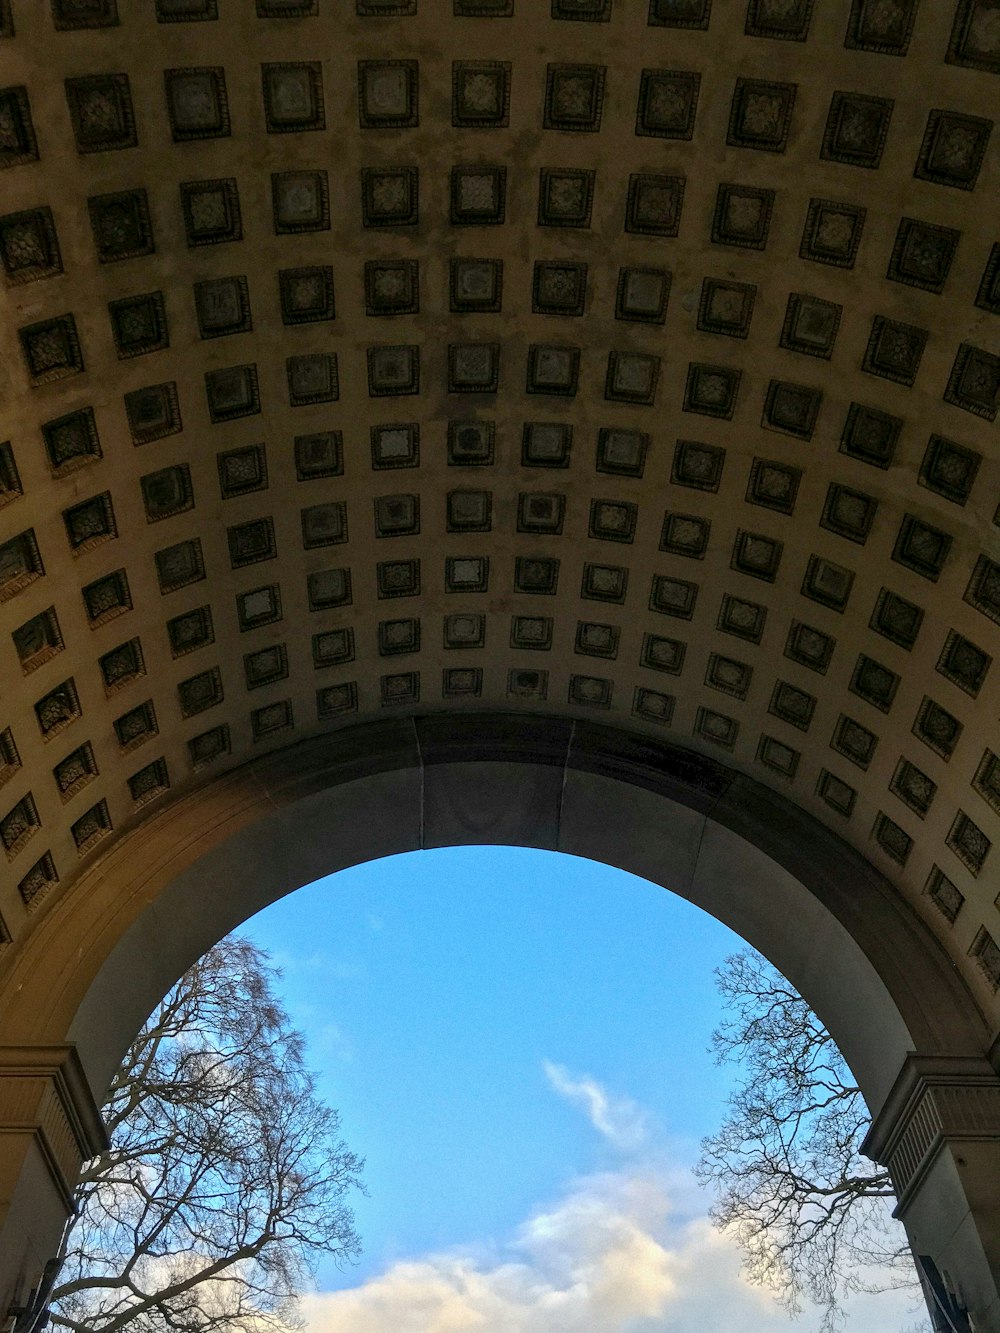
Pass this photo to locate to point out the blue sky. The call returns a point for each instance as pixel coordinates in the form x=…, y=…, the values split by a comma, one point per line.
x=517, y=1043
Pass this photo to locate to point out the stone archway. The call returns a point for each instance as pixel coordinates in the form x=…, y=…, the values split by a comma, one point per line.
x=913, y=1034
x=628, y=363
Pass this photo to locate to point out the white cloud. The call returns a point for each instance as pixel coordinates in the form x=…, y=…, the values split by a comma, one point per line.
x=608, y=1257
x=618, y=1119
x=592, y=1261
x=333, y=1043
x=618, y=1252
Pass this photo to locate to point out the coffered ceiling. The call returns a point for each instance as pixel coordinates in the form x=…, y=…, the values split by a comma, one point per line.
x=632, y=359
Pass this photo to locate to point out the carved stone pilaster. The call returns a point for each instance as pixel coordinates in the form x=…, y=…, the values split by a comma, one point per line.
x=49, y=1126
x=936, y=1100
x=45, y=1098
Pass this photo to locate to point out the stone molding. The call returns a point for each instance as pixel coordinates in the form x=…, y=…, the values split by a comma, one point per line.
x=936, y=1100
x=44, y=1093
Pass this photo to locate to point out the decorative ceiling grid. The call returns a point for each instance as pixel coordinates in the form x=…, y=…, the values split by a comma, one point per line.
x=635, y=360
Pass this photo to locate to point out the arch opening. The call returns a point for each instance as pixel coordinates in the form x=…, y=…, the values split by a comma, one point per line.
x=518, y=1042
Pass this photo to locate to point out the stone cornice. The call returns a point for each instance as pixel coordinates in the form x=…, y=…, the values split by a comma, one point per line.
x=44, y=1092
x=936, y=1100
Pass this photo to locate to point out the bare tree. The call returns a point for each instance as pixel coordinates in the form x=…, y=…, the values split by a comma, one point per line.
x=810, y=1213
x=226, y=1177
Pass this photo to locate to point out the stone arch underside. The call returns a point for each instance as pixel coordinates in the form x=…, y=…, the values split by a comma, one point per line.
x=631, y=364
x=869, y=966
